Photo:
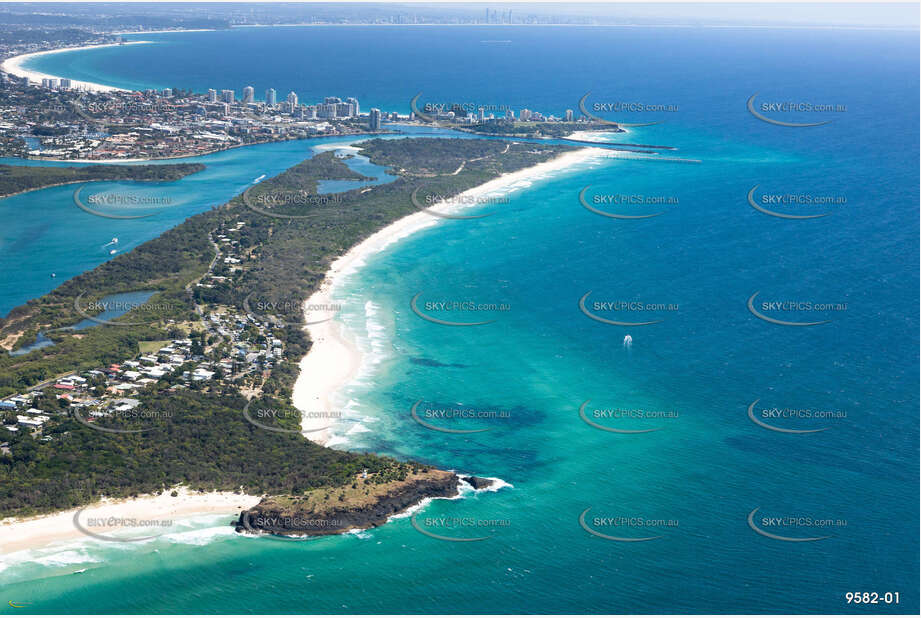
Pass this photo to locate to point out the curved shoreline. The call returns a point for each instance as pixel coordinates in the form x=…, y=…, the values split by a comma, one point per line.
x=334, y=358
x=40, y=531
x=13, y=66
x=57, y=184
x=332, y=362
x=72, y=182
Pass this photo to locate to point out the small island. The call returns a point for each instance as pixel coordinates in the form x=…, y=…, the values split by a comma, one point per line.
x=15, y=179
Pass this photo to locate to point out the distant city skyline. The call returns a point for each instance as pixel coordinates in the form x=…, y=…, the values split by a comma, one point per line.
x=871, y=15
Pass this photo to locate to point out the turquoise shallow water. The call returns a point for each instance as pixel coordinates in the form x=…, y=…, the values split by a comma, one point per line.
x=47, y=231
x=701, y=474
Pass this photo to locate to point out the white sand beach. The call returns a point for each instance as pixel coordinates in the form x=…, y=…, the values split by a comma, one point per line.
x=13, y=66
x=165, y=31
x=334, y=358
x=18, y=534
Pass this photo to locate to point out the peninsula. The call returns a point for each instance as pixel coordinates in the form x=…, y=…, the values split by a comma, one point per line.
x=167, y=394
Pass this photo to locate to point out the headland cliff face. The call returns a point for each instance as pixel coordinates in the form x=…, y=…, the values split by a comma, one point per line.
x=367, y=503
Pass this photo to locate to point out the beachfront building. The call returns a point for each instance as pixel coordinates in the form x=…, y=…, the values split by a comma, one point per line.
x=569, y=115
x=345, y=110
x=249, y=95
x=198, y=124
x=356, y=110
x=328, y=110
x=374, y=119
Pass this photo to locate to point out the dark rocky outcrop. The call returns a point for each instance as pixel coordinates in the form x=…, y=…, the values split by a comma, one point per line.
x=477, y=482
x=333, y=511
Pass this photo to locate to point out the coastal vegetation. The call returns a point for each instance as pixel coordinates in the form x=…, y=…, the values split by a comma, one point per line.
x=19, y=178
x=197, y=433
x=516, y=128
x=366, y=502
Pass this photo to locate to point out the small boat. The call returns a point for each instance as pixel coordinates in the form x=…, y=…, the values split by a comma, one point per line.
x=79, y=571
x=53, y=275
x=258, y=180
x=113, y=251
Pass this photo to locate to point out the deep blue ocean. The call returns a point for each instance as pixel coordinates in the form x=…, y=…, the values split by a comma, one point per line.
x=708, y=475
